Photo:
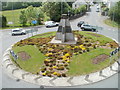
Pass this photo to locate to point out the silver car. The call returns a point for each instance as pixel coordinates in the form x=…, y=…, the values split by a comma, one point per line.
x=88, y=27
x=51, y=24
x=18, y=31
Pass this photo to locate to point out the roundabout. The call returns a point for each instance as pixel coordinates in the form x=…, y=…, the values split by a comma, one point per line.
x=77, y=64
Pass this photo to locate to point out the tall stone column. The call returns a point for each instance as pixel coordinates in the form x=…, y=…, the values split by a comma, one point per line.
x=64, y=32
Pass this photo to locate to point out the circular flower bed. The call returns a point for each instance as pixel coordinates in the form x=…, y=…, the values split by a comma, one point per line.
x=58, y=57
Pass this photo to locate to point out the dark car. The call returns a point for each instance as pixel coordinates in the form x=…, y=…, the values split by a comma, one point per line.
x=80, y=23
x=88, y=27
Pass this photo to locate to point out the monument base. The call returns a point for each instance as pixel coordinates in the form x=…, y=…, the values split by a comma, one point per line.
x=60, y=42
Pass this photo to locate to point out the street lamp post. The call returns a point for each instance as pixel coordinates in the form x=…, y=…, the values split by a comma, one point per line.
x=113, y=15
x=13, y=15
x=68, y=13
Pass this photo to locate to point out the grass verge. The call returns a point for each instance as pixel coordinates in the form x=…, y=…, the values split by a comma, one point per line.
x=111, y=23
x=82, y=64
x=34, y=63
x=103, y=39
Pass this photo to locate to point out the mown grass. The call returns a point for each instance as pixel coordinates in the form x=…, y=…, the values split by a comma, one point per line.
x=44, y=35
x=12, y=16
x=82, y=64
x=111, y=23
x=34, y=63
x=103, y=39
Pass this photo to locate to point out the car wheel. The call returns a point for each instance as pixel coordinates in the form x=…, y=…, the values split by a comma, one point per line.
x=82, y=29
x=94, y=30
x=23, y=33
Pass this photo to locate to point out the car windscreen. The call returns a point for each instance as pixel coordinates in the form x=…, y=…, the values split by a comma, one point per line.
x=16, y=30
x=87, y=25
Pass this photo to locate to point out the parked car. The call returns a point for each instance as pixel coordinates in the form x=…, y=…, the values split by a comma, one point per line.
x=97, y=10
x=88, y=27
x=80, y=23
x=18, y=31
x=51, y=24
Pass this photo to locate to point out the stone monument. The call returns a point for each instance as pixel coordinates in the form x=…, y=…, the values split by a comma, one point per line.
x=64, y=33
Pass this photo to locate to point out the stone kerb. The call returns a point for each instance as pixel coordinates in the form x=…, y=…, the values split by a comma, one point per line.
x=18, y=73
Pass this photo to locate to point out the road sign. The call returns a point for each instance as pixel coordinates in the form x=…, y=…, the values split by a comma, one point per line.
x=34, y=22
x=31, y=31
x=115, y=51
x=10, y=22
x=14, y=55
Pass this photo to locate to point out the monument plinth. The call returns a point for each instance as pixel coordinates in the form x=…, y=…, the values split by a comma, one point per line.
x=64, y=34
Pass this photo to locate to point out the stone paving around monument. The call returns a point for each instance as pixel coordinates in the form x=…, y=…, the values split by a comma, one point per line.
x=20, y=74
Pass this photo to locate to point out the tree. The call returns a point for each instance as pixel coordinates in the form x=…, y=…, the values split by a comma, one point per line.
x=114, y=12
x=4, y=21
x=81, y=9
x=55, y=9
x=31, y=14
x=19, y=5
x=23, y=18
x=40, y=16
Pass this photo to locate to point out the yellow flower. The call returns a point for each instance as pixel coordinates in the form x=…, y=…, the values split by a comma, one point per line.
x=83, y=48
x=43, y=74
x=55, y=73
x=68, y=61
x=55, y=46
x=47, y=60
x=73, y=48
x=74, y=53
x=76, y=47
x=48, y=54
x=54, y=66
x=67, y=54
x=50, y=49
x=64, y=58
x=68, y=46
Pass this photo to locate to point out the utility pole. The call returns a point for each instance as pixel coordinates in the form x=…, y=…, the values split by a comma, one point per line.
x=113, y=14
x=13, y=14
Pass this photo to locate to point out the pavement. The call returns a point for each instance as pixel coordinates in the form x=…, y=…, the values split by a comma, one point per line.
x=9, y=81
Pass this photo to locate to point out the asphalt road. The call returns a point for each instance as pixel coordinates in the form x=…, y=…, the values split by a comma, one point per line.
x=92, y=17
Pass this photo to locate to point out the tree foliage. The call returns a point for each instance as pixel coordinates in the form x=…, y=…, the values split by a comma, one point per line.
x=114, y=12
x=4, y=21
x=19, y=5
x=31, y=13
x=55, y=9
x=23, y=18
